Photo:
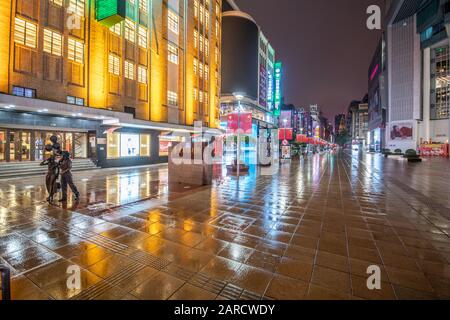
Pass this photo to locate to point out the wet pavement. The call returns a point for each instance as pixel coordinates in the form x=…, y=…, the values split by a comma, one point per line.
x=308, y=232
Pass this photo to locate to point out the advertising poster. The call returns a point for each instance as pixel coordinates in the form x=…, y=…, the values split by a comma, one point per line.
x=401, y=131
x=129, y=145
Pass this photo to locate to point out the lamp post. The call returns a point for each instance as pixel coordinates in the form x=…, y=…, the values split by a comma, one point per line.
x=239, y=97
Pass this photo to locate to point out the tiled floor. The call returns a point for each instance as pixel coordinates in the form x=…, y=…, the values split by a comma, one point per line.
x=309, y=232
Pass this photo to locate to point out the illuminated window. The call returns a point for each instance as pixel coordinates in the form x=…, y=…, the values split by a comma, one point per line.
x=113, y=147
x=200, y=95
x=114, y=64
x=130, y=31
x=129, y=70
x=216, y=54
x=206, y=97
x=195, y=39
x=200, y=67
x=172, y=21
x=77, y=7
x=25, y=33
x=206, y=73
x=195, y=66
x=142, y=37
x=76, y=51
x=57, y=2
x=117, y=29
x=206, y=20
x=217, y=9
x=196, y=8
x=142, y=74
x=201, y=43
x=172, y=98
x=52, y=42
x=206, y=48
x=195, y=94
x=172, y=53
x=202, y=13
x=217, y=28
x=145, y=145
x=143, y=5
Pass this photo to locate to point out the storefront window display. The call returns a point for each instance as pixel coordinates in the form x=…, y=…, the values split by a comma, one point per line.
x=2, y=145
x=128, y=145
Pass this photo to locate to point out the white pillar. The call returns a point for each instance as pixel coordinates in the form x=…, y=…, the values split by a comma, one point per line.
x=426, y=94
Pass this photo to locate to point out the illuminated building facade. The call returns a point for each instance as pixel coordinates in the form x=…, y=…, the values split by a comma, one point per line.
x=112, y=78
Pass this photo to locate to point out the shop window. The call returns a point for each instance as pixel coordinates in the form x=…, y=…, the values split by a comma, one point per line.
x=145, y=145
x=2, y=144
x=113, y=148
x=129, y=145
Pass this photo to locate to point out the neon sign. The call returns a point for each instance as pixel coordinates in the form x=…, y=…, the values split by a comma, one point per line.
x=278, y=93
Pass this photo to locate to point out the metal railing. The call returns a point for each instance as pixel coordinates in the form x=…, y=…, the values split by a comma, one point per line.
x=6, y=282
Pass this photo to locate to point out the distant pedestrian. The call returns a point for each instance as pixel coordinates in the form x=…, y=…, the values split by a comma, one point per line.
x=51, y=179
x=66, y=177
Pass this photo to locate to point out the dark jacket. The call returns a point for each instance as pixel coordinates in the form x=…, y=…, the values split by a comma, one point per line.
x=66, y=165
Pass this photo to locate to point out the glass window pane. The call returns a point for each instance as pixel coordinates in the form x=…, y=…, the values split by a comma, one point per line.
x=113, y=146
x=145, y=145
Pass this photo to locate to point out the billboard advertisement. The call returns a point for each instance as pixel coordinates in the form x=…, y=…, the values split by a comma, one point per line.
x=401, y=131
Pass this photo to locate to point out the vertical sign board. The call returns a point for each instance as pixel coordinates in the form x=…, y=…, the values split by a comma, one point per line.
x=110, y=12
x=270, y=89
x=278, y=89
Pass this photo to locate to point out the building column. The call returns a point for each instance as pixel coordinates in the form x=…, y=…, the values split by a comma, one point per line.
x=426, y=94
x=447, y=27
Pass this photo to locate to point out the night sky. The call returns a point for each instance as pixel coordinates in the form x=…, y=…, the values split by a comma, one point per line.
x=324, y=45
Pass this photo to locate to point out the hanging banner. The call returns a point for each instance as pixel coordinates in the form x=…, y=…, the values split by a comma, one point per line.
x=242, y=121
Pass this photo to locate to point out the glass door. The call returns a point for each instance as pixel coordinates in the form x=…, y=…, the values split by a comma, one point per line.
x=2, y=145
x=25, y=146
x=39, y=145
x=13, y=146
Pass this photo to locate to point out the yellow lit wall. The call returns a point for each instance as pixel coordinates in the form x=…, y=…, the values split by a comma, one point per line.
x=98, y=63
x=5, y=13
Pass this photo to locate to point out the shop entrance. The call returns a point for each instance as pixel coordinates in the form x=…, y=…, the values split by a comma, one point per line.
x=25, y=145
x=17, y=146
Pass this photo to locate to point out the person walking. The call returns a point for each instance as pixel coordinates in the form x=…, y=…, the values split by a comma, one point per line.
x=66, y=177
x=51, y=179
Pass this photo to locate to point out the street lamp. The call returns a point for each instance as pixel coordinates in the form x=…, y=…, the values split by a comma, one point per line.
x=239, y=97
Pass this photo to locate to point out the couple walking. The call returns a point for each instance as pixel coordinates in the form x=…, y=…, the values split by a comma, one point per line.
x=61, y=167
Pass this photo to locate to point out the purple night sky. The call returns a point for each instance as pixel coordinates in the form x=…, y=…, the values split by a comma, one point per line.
x=324, y=45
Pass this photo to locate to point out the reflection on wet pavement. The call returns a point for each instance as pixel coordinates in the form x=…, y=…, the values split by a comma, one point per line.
x=309, y=232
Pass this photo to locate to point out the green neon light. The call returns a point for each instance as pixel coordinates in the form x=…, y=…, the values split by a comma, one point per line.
x=278, y=91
